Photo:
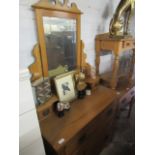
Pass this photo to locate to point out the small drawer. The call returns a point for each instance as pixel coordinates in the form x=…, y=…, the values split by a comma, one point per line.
x=104, y=45
x=127, y=44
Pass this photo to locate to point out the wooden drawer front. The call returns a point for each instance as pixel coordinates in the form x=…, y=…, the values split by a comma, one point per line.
x=99, y=141
x=107, y=115
x=106, y=45
x=44, y=113
x=89, y=133
x=96, y=141
x=127, y=44
x=80, y=151
x=76, y=142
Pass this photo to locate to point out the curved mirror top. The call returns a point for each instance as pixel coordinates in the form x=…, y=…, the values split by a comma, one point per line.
x=60, y=38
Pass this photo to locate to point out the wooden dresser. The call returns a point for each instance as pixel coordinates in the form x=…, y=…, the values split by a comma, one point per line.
x=85, y=129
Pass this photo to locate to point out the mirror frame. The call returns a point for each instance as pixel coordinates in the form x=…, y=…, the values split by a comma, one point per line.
x=46, y=8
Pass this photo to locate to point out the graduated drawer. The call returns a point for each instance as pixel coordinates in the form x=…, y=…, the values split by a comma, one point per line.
x=97, y=125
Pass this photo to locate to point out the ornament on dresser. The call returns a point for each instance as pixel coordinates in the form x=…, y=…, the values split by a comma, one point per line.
x=80, y=84
x=60, y=108
x=42, y=90
x=93, y=73
x=91, y=77
x=88, y=89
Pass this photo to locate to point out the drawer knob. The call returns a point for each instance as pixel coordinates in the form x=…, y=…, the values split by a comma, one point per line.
x=46, y=112
x=128, y=44
x=109, y=112
x=82, y=138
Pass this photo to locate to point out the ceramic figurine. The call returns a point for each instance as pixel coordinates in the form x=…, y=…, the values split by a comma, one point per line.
x=88, y=90
x=81, y=85
x=58, y=108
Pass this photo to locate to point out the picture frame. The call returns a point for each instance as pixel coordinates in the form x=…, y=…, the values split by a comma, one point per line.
x=65, y=86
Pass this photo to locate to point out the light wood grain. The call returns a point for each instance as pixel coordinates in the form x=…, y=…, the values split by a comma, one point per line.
x=45, y=8
x=82, y=112
x=116, y=45
x=36, y=68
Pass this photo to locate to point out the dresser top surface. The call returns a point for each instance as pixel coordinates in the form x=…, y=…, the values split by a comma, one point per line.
x=55, y=129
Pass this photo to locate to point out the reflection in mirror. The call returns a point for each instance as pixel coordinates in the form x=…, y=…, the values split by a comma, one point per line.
x=61, y=1
x=60, y=38
x=125, y=63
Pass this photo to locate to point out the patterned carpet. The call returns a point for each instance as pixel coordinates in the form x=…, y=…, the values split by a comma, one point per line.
x=123, y=142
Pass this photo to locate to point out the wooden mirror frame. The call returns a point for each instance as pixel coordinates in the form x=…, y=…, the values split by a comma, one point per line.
x=46, y=8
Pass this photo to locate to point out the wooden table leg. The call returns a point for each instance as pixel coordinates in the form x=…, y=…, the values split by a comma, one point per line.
x=115, y=72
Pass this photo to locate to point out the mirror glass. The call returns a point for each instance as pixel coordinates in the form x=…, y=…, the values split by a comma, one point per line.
x=60, y=38
x=125, y=63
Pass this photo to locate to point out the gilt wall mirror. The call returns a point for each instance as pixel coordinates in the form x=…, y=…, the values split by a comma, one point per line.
x=59, y=38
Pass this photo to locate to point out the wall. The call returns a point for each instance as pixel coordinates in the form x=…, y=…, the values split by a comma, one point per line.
x=30, y=141
x=95, y=19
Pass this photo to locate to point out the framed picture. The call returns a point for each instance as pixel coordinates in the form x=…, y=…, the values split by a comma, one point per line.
x=65, y=87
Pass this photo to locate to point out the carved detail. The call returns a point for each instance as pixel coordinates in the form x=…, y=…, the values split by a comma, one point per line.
x=118, y=27
x=36, y=68
x=51, y=7
x=83, y=56
x=57, y=5
x=73, y=5
x=84, y=65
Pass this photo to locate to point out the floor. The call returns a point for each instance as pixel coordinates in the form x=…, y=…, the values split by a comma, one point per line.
x=123, y=142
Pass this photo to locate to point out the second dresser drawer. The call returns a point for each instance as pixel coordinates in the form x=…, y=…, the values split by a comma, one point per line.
x=98, y=125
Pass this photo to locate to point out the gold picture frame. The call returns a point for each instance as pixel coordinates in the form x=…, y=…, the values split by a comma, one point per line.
x=65, y=87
